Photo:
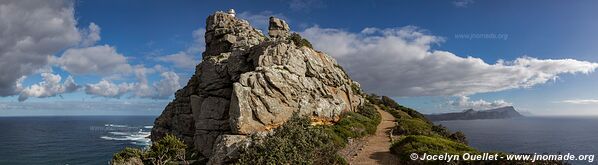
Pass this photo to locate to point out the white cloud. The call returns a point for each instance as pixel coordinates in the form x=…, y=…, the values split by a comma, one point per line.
x=400, y=62
x=581, y=101
x=190, y=57
x=261, y=20
x=95, y=60
x=106, y=88
x=181, y=60
x=30, y=31
x=92, y=35
x=49, y=87
x=199, y=43
x=162, y=89
x=463, y=3
x=70, y=107
x=463, y=102
x=167, y=86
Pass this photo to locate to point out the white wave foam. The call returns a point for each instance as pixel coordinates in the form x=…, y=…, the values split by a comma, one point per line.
x=148, y=126
x=115, y=125
x=139, y=137
x=119, y=133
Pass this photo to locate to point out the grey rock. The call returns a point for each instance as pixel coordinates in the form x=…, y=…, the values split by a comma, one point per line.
x=249, y=84
x=129, y=161
x=278, y=28
x=226, y=148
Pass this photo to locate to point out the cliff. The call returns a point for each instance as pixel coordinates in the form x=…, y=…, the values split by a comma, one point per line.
x=470, y=114
x=248, y=83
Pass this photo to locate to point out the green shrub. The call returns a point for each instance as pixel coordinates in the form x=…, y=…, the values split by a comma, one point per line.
x=369, y=110
x=354, y=125
x=391, y=104
x=441, y=130
x=358, y=124
x=299, y=41
x=421, y=144
x=459, y=137
x=126, y=154
x=413, y=126
x=355, y=89
x=168, y=150
x=295, y=142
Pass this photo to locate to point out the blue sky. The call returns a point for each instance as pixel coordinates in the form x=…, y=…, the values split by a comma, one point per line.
x=136, y=41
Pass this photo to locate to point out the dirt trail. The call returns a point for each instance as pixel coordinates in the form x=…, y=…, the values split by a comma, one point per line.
x=376, y=151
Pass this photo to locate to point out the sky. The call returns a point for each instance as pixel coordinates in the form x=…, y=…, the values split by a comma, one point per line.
x=90, y=57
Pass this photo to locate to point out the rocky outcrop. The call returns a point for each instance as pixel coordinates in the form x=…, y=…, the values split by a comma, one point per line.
x=248, y=83
x=278, y=28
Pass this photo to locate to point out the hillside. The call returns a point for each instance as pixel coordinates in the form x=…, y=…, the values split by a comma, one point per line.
x=470, y=114
x=257, y=99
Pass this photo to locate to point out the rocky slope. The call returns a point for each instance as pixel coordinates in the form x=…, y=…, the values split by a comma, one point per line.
x=248, y=83
x=470, y=114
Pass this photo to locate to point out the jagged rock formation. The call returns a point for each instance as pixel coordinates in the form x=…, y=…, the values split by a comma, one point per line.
x=470, y=114
x=248, y=83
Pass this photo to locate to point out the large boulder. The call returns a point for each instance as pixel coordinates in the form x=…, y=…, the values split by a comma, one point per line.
x=248, y=83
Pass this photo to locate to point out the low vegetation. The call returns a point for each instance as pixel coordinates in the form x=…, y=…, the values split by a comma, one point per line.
x=299, y=41
x=298, y=142
x=295, y=142
x=416, y=134
x=428, y=144
x=168, y=150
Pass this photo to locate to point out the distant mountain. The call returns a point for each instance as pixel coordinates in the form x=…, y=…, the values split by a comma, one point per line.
x=470, y=114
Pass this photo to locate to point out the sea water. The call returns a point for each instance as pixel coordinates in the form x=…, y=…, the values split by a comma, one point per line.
x=575, y=135
x=70, y=140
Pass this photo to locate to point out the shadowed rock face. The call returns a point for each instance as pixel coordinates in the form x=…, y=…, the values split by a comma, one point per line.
x=248, y=83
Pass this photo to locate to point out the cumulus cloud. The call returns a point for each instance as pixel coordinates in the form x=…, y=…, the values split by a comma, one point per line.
x=182, y=60
x=400, y=62
x=106, y=88
x=162, y=89
x=49, y=86
x=199, y=43
x=30, y=31
x=188, y=58
x=95, y=60
x=581, y=101
x=166, y=86
x=463, y=102
x=91, y=35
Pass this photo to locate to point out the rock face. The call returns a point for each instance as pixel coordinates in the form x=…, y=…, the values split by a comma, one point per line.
x=470, y=114
x=248, y=83
x=278, y=28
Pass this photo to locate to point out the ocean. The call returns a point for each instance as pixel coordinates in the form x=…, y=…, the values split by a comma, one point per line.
x=575, y=135
x=70, y=140
x=94, y=139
